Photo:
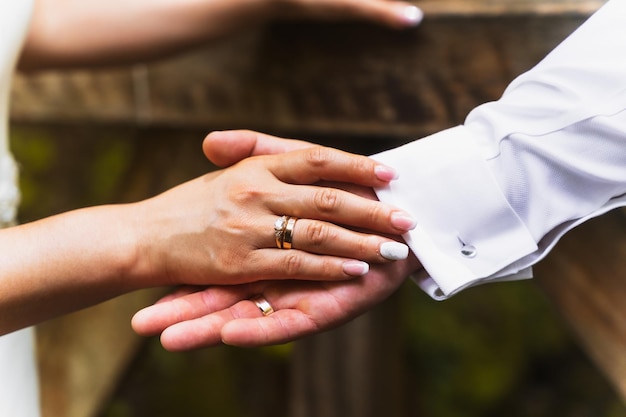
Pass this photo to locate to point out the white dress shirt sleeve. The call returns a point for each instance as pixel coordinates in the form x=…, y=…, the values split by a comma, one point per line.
x=493, y=196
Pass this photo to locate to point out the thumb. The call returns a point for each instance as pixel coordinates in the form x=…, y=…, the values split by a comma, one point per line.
x=225, y=148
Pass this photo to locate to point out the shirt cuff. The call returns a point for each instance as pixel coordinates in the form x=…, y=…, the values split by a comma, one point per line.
x=466, y=230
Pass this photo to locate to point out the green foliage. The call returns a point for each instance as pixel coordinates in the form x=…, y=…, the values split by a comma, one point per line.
x=111, y=160
x=494, y=350
x=35, y=152
x=63, y=169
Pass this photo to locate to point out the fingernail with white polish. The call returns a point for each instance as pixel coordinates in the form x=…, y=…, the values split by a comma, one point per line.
x=412, y=15
x=394, y=251
x=356, y=268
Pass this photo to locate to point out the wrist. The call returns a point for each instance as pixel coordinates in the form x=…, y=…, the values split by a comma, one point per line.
x=137, y=253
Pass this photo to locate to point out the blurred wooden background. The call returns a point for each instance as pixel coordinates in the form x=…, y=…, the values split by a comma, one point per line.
x=354, y=86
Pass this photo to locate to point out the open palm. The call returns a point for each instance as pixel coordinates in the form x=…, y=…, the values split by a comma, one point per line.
x=192, y=318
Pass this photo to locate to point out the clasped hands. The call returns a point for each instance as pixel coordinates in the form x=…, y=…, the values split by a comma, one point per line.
x=322, y=282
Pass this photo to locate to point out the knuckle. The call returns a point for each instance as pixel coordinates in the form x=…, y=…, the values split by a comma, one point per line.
x=293, y=265
x=326, y=199
x=361, y=165
x=364, y=247
x=376, y=214
x=245, y=193
x=318, y=156
x=317, y=233
x=328, y=270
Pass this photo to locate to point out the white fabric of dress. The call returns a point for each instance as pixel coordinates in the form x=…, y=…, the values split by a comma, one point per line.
x=493, y=196
x=18, y=377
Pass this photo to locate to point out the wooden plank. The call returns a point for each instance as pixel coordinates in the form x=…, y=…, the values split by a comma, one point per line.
x=82, y=355
x=584, y=277
x=507, y=7
x=355, y=370
x=355, y=80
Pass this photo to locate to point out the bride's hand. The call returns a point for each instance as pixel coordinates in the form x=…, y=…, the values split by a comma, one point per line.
x=219, y=229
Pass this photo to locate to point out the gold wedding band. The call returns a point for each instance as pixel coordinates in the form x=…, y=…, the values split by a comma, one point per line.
x=263, y=305
x=288, y=237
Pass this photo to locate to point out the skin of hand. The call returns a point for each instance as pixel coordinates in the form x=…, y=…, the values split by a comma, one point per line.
x=78, y=33
x=218, y=228
x=195, y=317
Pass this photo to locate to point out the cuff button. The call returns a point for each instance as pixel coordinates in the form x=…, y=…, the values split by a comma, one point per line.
x=468, y=251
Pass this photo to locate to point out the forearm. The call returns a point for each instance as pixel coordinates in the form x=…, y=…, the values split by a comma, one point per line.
x=68, y=33
x=65, y=263
x=215, y=229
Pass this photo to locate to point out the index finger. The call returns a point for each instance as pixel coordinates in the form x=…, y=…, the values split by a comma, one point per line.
x=320, y=163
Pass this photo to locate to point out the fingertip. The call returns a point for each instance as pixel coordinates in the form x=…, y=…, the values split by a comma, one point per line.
x=394, y=251
x=403, y=221
x=243, y=333
x=409, y=15
x=210, y=146
x=355, y=268
x=170, y=343
x=231, y=334
x=224, y=148
x=177, y=339
x=140, y=324
x=385, y=173
x=153, y=319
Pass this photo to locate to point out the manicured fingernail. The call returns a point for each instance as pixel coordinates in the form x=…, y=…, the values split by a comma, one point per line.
x=385, y=173
x=394, y=251
x=356, y=268
x=403, y=221
x=410, y=14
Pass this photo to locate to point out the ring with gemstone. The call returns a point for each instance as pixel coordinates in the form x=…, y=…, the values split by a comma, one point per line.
x=279, y=230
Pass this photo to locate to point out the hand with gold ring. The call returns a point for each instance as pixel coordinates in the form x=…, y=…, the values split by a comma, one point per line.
x=255, y=314
x=284, y=235
x=221, y=228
